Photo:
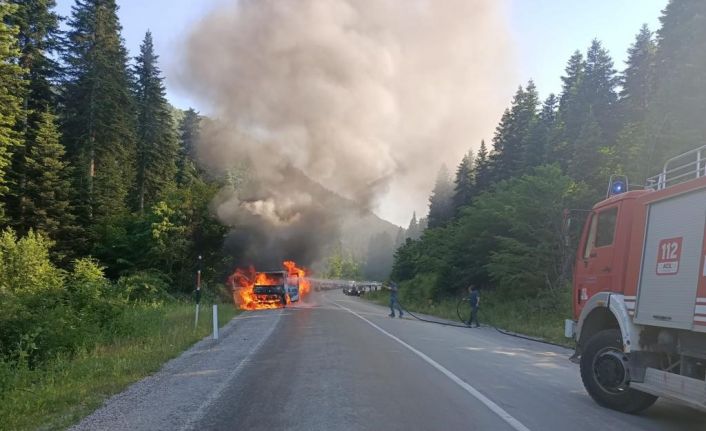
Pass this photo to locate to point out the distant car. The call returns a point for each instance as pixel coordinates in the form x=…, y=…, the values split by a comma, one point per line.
x=352, y=290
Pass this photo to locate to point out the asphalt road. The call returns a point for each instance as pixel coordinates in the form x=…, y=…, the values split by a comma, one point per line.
x=339, y=363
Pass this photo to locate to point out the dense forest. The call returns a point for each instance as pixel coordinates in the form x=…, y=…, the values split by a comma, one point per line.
x=498, y=222
x=102, y=203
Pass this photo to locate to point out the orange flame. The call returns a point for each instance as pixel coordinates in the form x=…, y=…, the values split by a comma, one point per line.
x=304, y=285
x=243, y=282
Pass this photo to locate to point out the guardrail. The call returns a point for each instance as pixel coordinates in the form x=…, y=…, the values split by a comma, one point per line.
x=329, y=284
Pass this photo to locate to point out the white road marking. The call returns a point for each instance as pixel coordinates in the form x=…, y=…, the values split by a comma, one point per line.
x=504, y=415
x=218, y=392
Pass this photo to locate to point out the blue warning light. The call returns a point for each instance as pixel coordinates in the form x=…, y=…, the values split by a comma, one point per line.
x=618, y=187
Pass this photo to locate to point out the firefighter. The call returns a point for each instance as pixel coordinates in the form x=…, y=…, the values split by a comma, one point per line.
x=394, y=303
x=475, y=302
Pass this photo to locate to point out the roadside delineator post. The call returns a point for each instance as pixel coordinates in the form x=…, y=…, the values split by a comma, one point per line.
x=215, y=321
x=198, y=293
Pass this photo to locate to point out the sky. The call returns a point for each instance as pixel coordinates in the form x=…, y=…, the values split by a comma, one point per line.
x=546, y=33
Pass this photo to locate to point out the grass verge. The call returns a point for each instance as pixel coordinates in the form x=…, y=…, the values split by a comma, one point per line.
x=523, y=317
x=64, y=390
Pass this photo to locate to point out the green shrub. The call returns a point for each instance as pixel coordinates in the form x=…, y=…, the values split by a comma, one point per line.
x=43, y=310
x=144, y=286
x=32, y=310
x=424, y=287
x=25, y=267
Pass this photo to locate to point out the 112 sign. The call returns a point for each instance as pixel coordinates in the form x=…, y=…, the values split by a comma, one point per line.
x=668, y=256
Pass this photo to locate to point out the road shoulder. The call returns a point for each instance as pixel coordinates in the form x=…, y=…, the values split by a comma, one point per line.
x=175, y=396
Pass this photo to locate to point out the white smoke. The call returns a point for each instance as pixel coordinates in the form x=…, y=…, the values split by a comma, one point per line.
x=366, y=97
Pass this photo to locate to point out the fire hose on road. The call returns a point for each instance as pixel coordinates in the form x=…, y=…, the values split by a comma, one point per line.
x=464, y=325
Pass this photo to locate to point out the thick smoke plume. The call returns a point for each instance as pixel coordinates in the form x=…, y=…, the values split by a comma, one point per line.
x=366, y=97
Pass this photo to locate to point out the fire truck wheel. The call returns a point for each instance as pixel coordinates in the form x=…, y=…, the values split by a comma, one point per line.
x=604, y=371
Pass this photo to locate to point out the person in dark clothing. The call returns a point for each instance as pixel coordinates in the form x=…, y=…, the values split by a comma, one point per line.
x=475, y=302
x=394, y=303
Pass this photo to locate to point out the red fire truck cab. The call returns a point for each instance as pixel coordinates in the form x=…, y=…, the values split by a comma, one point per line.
x=639, y=296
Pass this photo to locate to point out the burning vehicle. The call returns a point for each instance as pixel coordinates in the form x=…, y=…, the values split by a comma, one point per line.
x=271, y=288
x=257, y=290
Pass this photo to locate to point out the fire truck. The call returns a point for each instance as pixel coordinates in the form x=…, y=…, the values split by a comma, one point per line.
x=639, y=290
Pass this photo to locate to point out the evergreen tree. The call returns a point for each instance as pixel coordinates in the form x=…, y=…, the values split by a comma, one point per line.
x=189, y=130
x=413, y=228
x=400, y=237
x=156, y=143
x=48, y=188
x=99, y=117
x=633, y=154
x=570, y=109
x=540, y=139
x=638, y=77
x=463, y=183
x=676, y=114
x=12, y=90
x=598, y=90
x=511, y=134
x=441, y=200
x=590, y=148
x=589, y=95
x=38, y=38
x=481, y=170
x=422, y=225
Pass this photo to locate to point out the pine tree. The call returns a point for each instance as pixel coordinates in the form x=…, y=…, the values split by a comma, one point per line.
x=676, y=114
x=441, y=208
x=633, y=146
x=38, y=38
x=588, y=158
x=400, y=237
x=48, y=188
x=189, y=130
x=12, y=90
x=589, y=95
x=540, y=140
x=422, y=225
x=463, y=183
x=156, y=143
x=511, y=134
x=99, y=118
x=570, y=110
x=413, y=228
x=638, y=77
x=598, y=89
x=481, y=169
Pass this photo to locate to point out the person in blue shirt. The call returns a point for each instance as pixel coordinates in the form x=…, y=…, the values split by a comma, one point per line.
x=394, y=303
x=475, y=302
